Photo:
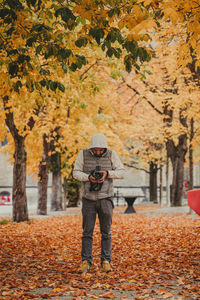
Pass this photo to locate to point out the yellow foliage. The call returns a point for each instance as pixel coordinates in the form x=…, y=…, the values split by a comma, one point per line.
x=93, y=101
x=171, y=13
x=144, y=26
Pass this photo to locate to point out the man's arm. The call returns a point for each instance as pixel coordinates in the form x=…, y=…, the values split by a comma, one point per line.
x=78, y=168
x=118, y=171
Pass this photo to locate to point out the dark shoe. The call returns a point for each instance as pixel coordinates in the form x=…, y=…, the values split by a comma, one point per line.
x=106, y=266
x=84, y=267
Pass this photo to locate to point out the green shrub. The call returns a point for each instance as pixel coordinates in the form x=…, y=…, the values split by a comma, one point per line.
x=4, y=222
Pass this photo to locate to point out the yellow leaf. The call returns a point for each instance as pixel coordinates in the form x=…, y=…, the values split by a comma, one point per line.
x=147, y=2
x=193, y=43
x=121, y=24
x=7, y=293
x=171, y=13
x=132, y=36
x=144, y=26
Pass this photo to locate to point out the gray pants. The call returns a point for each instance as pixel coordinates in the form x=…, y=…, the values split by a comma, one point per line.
x=104, y=209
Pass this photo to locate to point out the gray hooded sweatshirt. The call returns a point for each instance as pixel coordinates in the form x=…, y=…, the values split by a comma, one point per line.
x=87, y=161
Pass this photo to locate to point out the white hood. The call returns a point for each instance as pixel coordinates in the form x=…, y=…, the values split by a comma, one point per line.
x=98, y=141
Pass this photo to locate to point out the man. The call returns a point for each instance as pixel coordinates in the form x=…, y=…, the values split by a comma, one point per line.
x=96, y=167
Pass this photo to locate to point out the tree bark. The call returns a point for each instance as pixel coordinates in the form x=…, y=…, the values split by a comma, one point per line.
x=177, y=156
x=167, y=181
x=56, y=197
x=191, y=165
x=65, y=192
x=153, y=183
x=43, y=179
x=20, y=209
x=161, y=185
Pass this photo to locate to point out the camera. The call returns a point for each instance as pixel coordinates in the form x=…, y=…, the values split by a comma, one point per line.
x=96, y=174
x=95, y=186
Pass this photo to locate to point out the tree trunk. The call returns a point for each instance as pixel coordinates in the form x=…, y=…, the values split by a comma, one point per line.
x=43, y=179
x=167, y=181
x=177, y=156
x=177, y=182
x=65, y=192
x=56, y=197
x=153, y=182
x=20, y=210
x=161, y=185
x=191, y=166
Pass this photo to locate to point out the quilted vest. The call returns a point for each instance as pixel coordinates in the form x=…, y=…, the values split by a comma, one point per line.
x=90, y=163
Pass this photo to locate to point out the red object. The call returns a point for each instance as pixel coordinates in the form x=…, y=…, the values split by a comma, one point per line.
x=193, y=197
x=186, y=184
x=4, y=200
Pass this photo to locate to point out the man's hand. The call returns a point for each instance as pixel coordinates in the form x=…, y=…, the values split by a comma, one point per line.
x=105, y=173
x=93, y=179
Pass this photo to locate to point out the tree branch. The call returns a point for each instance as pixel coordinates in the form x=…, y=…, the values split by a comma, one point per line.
x=137, y=168
x=9, y=117
x=92, y=65
x=149, y=102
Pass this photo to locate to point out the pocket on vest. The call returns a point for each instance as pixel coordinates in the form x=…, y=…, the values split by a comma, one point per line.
x=105, y=186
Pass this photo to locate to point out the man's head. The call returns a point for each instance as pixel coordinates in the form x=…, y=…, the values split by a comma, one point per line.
x=98, y=151
x=98, y=144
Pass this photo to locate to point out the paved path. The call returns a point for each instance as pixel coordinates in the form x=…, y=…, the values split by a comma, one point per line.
x=153, y=210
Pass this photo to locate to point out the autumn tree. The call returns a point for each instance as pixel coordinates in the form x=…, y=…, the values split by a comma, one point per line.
x=173, y=14
x=172, y=94
x=40, y=42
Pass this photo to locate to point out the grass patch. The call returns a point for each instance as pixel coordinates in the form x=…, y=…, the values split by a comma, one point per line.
x=4, y=221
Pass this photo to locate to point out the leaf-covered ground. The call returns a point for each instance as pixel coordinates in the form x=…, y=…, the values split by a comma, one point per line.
x=153, y=258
